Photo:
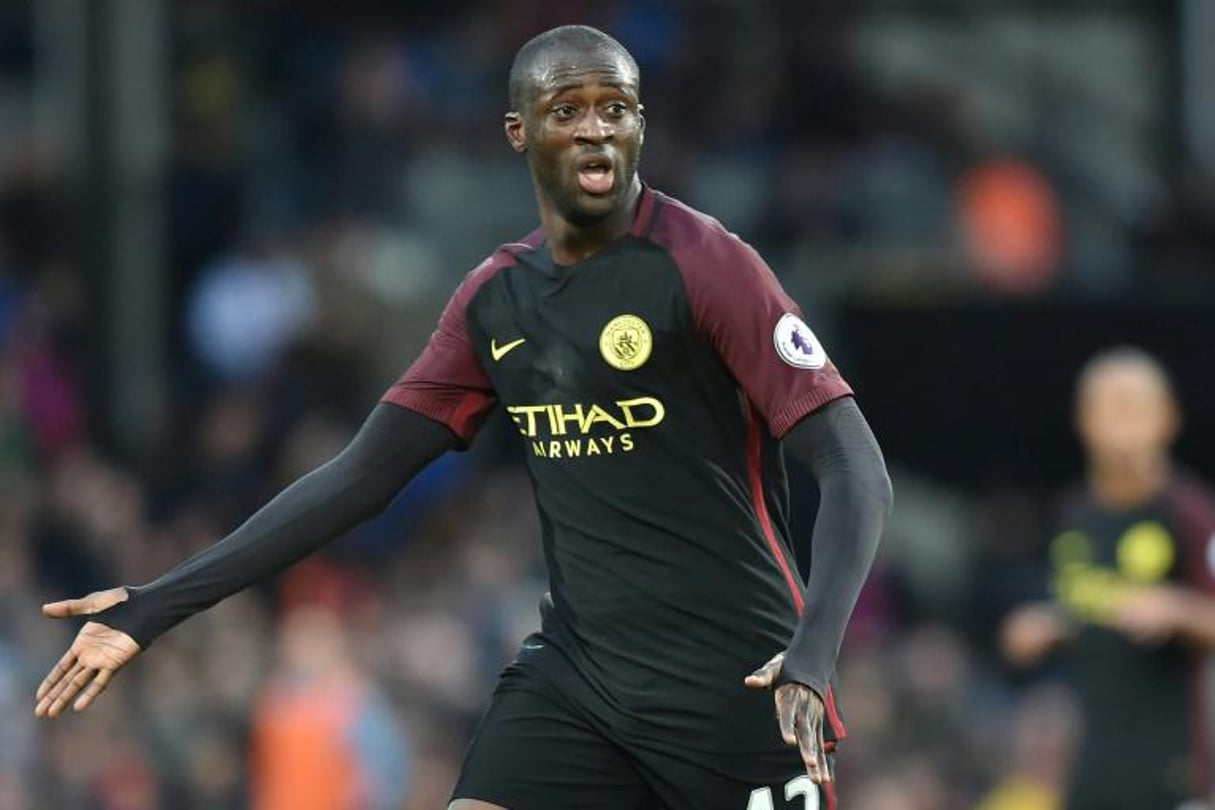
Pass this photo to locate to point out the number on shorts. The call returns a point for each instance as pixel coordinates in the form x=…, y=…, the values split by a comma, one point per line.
x=761, y=798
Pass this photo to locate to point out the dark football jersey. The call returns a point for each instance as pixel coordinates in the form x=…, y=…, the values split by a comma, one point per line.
x=650, y=385
x=1141, y=704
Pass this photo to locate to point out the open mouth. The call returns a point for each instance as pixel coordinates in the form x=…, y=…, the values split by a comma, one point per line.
x=595, y=174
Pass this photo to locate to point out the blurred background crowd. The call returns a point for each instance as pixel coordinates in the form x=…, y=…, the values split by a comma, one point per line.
x=226, y=227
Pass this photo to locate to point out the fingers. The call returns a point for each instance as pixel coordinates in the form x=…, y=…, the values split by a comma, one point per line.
x=51, y=705
x=85, y=670
x=57, y=673
x=786, y=714
x=820, y=753
x=800, y=713
x=765, y=676
x=87, y=684
x=64, y=609
x=809, y=743
x=86, y=605
x=93, y=690
x=60, y=687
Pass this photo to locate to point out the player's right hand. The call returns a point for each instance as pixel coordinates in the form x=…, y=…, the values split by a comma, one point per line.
x=85, y=670
x=1032, y=631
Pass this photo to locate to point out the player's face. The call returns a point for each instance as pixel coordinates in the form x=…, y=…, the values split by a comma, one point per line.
x=1126, y=416
x=582, y=133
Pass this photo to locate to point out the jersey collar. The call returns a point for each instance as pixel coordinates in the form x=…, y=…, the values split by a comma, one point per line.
x=647, y=205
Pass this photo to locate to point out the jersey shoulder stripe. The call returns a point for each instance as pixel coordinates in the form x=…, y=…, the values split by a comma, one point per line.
x=678, y=227
x=447, y=382
x=1192, y=505
x=503, y=256
x=739, y=306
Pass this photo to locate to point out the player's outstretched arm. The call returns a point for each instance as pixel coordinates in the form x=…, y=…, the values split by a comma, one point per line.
x=1152, y=615
x=389, y=450
x=855, y=498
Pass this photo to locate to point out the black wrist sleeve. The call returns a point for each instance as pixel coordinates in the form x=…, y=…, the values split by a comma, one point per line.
x=390, y=448
x=855, y=498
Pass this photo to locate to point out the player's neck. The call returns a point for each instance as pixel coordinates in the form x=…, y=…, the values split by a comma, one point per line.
x=1127, y=485
x=570, y=243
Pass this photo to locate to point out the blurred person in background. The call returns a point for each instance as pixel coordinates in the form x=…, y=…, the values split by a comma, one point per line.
x=1038, y=749
x=663, y=455
x=323, y=736
x=1133, y=609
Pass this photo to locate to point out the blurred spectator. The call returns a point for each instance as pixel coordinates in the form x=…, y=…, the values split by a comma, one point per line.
x=1040, y=744
x=1011, y=219
x=323, y=736
x=245, y=310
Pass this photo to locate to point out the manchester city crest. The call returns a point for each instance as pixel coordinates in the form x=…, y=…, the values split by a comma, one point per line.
x=625, y=342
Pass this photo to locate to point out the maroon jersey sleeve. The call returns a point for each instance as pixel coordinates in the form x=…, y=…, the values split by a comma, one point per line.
x=447, y=382
x=757, y=329
x=1194, y=509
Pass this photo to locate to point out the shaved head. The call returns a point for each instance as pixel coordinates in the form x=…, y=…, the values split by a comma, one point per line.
x=576, y=114
x=566, y=43
x=1124, y=358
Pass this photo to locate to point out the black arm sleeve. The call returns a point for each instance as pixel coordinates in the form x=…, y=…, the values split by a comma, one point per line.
x=389, y=450
x=840, y=449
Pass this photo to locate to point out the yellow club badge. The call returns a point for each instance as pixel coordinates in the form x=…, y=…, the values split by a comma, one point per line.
x=1146, y=552
x=625, y=342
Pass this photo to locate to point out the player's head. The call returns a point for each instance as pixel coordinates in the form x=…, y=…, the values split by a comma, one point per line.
x=1125, y=410
x=575, y=112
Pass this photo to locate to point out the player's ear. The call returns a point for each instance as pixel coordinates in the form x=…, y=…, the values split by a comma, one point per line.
x=641, y=123
x=515, y=132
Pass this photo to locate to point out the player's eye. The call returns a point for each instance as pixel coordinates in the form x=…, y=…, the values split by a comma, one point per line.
x=617, y=109
x=564, y=112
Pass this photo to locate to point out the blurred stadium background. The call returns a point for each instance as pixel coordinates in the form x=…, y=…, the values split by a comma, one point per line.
x=225, y=227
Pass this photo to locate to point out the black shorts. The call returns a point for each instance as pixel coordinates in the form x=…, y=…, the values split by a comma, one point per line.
x=543, y=744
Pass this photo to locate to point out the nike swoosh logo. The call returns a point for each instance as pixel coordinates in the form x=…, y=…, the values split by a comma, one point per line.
x=498, y=352
x=533, y=646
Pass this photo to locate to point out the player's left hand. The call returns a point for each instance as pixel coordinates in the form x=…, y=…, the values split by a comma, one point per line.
x=1151, y=615
x=800, y=711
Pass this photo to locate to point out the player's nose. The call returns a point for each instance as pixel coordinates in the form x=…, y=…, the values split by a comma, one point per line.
x=592, y=128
